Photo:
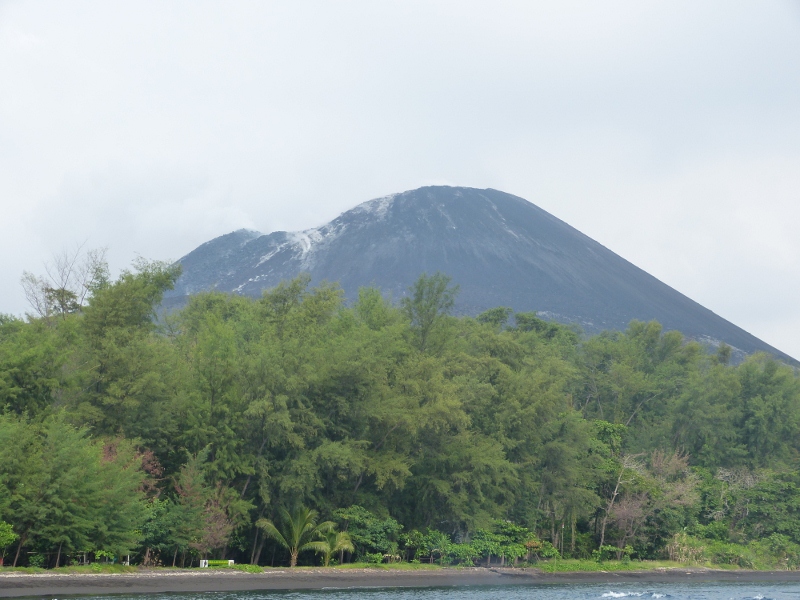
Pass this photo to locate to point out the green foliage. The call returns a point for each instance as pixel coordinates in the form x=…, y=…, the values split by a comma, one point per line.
x=247, y=568
x=103, y=555
x=503, y=438
x=30, y=363
x=37, y=560
x=505, y=542
x=606, y=552
x=430, y=301
x=299, y=531
x=368, y=533
x=434, y=544
x=773, y=552
x=67, y=492
x=335, y=541
x=7, y=537
x=495, y=317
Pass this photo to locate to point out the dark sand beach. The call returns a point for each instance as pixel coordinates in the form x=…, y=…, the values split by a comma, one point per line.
x=153, y=581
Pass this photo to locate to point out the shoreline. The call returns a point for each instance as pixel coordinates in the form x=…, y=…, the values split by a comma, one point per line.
x=213, y=580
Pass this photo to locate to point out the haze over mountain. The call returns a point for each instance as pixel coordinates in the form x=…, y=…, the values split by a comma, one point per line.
x=500, y=249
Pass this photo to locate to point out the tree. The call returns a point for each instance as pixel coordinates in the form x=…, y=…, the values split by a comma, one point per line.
x=69, y=280
x=627, y=469
x=128, y=368
x=495, y=317
x=443, y=424
x=335, y=541
x=32, y=360
x=368, y=532
x=567, y=472
x=433, y=543
x=373, y=309
x=194, y=515
x=156, y=531
x=299, y=531
x=22, y=477
x=670, y=486
x=430, y=302
x=63, y=491
x=7, y=537
x=129, y=304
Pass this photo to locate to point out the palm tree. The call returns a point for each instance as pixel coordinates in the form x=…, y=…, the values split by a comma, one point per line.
x=336, y=541
x=299, y=531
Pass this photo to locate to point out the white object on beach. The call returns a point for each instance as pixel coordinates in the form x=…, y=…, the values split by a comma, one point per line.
x=204, y=563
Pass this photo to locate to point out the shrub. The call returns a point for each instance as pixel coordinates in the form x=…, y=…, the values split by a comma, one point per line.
x=37, y=560
x=248, y=568
x=685, y=548
x=724, y=553
x=606, y=552
x=368, y=532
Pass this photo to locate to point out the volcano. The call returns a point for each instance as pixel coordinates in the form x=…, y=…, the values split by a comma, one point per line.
x=500, y=249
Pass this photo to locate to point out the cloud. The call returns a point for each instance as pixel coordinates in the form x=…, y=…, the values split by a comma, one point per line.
x=668, y=131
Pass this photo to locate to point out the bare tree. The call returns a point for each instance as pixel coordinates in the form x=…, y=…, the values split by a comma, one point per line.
x=216, y=531
x=35, y=289
x=629, y=467
x=671, y=484
x=673, y=475
x=628, y=515
x=71, y=277
x=732, y=502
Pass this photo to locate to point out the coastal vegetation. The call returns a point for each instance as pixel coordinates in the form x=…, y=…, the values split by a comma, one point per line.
x=293, y=428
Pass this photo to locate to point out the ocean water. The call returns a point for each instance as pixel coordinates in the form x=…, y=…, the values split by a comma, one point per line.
x=655, y=591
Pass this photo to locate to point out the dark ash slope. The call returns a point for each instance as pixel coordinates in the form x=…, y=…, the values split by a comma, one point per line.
x=501, y=250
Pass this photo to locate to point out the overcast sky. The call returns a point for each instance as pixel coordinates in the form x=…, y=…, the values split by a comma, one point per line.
x=667, y=131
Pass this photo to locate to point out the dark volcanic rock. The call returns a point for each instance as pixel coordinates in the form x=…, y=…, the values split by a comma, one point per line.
x=500, y=249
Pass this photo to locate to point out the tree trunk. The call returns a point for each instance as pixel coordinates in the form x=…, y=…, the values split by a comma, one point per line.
x=611, y=506
x=572, y=536
x=58, y=554
x=293, y=558
x=22, y=540
x=246, y=483
x=249, y=477
x=253, y=549
x=358, y=485
x=257, y=559
x=175, y=556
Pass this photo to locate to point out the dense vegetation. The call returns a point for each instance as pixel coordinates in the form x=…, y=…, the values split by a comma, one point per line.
x=424, y=436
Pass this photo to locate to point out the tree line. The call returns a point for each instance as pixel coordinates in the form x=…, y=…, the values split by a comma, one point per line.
x=417, y=434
